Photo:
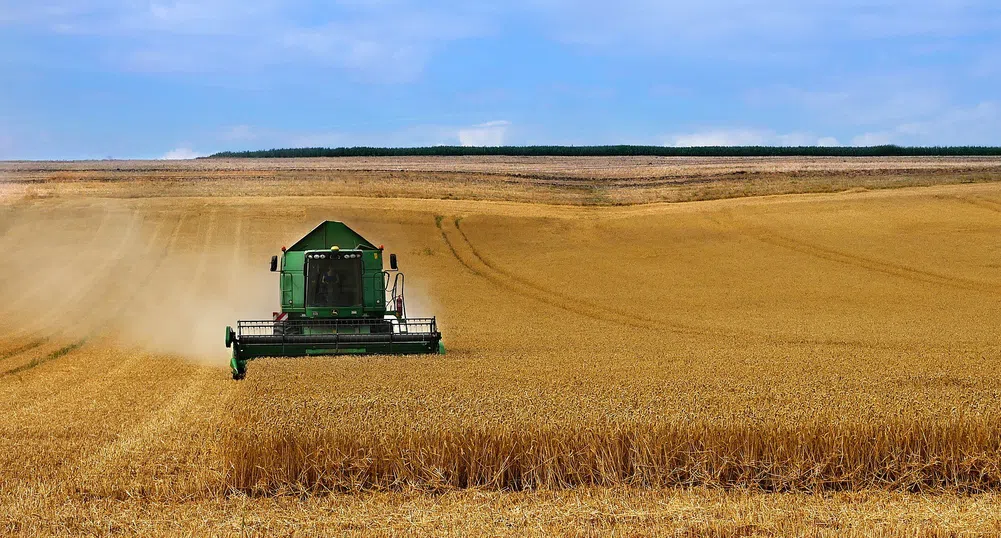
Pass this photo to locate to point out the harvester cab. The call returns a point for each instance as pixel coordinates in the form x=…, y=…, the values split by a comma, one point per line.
x=336, y=298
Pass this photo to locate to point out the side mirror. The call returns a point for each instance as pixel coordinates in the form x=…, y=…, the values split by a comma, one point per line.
x=392, y=261
x=274, y=263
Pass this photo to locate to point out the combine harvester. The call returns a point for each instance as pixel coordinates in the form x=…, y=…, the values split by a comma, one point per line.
x=336, y=299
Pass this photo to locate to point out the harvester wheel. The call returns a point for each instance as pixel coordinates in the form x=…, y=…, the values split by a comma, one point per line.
x=239, y=369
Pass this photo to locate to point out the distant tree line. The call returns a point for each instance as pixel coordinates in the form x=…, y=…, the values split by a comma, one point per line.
x=621, y=151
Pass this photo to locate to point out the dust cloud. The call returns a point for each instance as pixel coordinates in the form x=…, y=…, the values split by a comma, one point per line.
x=166, y=283
x=419, y=303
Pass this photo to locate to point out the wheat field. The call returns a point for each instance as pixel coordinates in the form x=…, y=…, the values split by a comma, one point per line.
x=819, y=363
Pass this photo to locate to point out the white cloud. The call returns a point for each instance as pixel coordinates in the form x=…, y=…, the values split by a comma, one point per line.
x=747, y=137
x=181, y=153
x=491, y=133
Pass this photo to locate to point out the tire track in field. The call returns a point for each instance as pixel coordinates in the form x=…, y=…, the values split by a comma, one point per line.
x=773, y=238
x=490, y=270
x=464, y=251
x=25, y=347
x=982, y=203
x=206, y=247
x=171, y=243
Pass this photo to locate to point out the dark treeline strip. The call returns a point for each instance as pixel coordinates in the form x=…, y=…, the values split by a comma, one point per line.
x=621, y=151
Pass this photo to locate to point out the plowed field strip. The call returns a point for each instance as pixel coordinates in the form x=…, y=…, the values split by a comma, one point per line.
x=765, y=235
x=74, y=399
x=206, y=245
x=95, y=378
x=79, y=292
x=79, y=295
x=93, y=413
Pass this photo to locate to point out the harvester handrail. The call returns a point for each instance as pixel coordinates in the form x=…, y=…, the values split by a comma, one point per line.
x=397, y=291
x=397, y=325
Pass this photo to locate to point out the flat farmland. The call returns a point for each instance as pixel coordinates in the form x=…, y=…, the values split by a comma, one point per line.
x=798, y=348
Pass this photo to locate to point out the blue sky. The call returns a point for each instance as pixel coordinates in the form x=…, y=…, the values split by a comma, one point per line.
x=152, y=79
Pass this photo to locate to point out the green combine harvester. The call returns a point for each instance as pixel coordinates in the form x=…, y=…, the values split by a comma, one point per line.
x=336, y=299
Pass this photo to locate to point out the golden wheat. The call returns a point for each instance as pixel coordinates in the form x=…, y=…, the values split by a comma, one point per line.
x=599, y=359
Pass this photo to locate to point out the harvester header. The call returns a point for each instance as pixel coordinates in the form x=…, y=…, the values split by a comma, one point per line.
x=336, y=298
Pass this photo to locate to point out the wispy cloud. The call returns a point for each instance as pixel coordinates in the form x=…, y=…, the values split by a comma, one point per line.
x=241, y=137
x=181, y=154
x=491, y=133
x=719, y=25
x=240, y=133
x=383, y=41
x=409, y=72
x=975, y=125
x=747, y=137
x=864, y=100
x=6, y=146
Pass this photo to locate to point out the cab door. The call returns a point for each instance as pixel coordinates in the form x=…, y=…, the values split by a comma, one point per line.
x=286, y=291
